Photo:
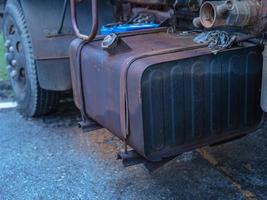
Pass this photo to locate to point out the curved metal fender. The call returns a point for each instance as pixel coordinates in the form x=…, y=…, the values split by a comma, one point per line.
x=51, y=50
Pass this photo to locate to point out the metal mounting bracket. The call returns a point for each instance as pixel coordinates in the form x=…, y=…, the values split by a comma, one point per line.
x=132, y=158
x=89, y=125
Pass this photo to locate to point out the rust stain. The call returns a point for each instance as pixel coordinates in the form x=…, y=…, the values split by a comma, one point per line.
x=226, y=173
x=101, y=141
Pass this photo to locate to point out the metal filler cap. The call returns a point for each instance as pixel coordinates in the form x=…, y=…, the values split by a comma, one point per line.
x=110, y=41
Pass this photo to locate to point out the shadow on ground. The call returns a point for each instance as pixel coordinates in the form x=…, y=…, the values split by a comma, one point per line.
x=65, y=115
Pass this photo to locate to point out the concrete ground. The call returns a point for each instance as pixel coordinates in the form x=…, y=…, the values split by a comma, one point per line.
x=51, y=158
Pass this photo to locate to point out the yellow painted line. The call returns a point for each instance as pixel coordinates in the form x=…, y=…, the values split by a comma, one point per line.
x=248, y=195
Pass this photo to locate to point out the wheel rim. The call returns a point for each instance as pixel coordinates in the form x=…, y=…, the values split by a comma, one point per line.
x=15, y=57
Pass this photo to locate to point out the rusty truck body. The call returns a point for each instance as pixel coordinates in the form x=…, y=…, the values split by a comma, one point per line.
x=165, y=76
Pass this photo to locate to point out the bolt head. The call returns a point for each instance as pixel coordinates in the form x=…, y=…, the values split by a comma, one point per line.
x=7, y=43
x=13, y=74
x=14, y=62
x=8, y=57
x=11, y=49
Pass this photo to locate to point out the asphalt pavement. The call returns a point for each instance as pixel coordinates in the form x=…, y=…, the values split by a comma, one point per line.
x=50, y=158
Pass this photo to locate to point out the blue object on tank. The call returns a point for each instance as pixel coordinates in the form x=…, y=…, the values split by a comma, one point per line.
x=105, y=30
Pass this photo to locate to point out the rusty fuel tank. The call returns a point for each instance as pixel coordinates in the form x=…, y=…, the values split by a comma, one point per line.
x=164, y=95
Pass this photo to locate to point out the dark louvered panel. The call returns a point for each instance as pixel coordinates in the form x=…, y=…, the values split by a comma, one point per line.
x=253, y=85
x=214, y=103
x=177, y=122
x=187, y=101
x=155, y=110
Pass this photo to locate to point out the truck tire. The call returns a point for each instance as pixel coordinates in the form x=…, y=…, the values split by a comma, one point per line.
x=33, y=101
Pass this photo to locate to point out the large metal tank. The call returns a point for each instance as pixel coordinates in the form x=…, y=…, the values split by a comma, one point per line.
x=165, y=95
